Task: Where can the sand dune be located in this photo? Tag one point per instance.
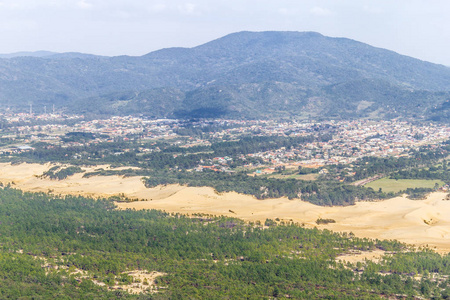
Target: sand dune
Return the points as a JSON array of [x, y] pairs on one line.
[[424, 222]]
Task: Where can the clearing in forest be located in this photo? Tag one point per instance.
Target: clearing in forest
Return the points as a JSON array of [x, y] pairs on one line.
[[397, 185]]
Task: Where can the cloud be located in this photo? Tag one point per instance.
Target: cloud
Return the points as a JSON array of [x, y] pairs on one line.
[[372, 9], [157, 8], [187, 8], [287, 12], [320, 12], [83, 4], [23, 4], [283, 11]]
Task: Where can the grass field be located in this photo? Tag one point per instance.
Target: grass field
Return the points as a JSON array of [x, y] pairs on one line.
[[392, 185]]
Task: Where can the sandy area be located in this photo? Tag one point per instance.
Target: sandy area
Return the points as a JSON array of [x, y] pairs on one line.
[[362, 256], [424, 222], [144, 281]]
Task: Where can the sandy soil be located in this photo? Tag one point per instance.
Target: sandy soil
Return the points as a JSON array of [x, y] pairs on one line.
[[424, 222], [362, 256], [145, 281]]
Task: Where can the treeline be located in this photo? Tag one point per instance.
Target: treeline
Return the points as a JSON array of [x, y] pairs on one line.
[[77, 155], [320, 193], [203, 257], [122, 172], [246, 145], [252, 144], [417, 193], [163, 155], [370, 165], [433, 172], [60, 173]]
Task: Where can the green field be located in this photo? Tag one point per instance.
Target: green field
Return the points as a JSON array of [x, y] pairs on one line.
[[392, 185]]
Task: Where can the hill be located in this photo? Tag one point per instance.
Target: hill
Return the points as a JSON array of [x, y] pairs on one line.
[[241, 75], [28, 53]]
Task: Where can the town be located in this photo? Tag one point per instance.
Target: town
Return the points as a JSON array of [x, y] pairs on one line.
[[347, 141]]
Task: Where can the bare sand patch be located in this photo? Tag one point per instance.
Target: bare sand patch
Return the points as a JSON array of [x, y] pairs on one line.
[[419, 222], [362, 256], [26, 177], [143, 281]]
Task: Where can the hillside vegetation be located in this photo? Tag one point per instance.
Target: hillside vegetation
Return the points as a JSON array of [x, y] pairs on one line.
[[242, 75]]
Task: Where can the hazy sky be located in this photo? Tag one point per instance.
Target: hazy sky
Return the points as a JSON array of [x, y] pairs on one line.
[[418, 28]]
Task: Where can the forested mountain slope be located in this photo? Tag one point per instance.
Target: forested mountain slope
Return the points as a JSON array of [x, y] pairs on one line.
[[240, 75]]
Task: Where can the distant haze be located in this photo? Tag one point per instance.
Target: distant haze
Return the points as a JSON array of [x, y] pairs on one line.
[[417, 28]]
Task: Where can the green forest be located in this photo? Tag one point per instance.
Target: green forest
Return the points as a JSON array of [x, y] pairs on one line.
[[320, 193], [45, 239]]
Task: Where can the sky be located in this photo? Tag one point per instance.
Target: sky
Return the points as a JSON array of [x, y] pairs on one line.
[[416, 28]]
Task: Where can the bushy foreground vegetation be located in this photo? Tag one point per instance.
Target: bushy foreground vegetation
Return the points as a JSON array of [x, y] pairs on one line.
[[203, 257]]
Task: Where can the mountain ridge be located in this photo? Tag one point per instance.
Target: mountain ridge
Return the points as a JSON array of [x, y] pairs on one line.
[[308, 70], [39, 53]]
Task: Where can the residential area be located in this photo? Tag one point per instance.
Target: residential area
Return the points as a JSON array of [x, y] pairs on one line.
[[344, 142]]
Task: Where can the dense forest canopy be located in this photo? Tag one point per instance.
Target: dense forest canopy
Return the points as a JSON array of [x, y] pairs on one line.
[[200, 256]]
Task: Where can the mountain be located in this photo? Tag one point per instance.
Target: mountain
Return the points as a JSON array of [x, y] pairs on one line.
[[32, 54], [241, 75]]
